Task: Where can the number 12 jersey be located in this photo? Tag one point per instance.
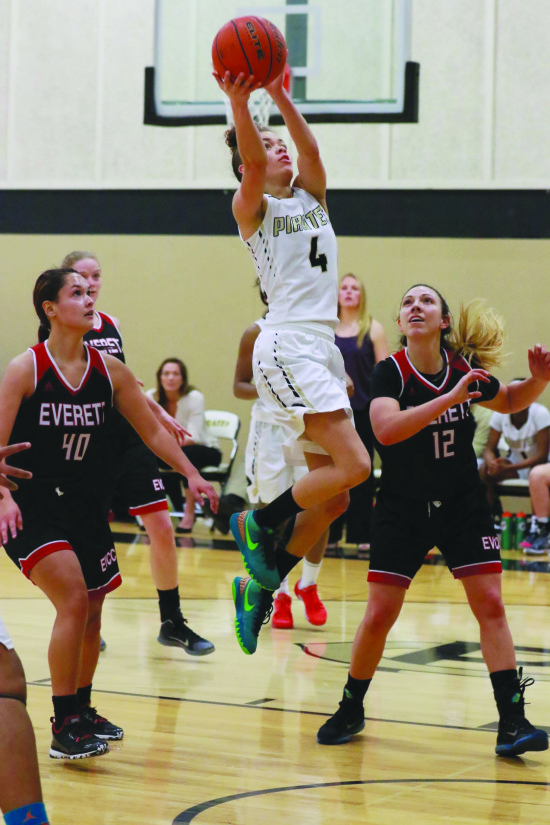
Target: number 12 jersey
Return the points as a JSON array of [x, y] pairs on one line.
[[438, 462]]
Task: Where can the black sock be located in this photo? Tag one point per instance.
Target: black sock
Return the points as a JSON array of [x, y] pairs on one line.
[[64, 706], [285, 561], [505, 687], [84, 696], [281, 509], [356, 688], [169, 604]]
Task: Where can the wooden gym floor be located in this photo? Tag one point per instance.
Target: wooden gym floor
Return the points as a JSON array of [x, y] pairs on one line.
[[231, 738]]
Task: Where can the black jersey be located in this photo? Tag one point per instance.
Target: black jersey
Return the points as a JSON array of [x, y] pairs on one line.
[[64, 424], [438, 462], [106, 337]]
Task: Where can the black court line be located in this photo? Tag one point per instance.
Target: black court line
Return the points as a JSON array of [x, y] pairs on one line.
[[254, 706], [190, 814]]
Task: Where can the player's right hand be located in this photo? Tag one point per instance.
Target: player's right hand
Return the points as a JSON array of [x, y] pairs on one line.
[[240, 88], [462, 392], [10, 519], [6, 470]]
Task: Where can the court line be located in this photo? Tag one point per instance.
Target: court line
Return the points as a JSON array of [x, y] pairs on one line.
[[190, 813], [250, 706]]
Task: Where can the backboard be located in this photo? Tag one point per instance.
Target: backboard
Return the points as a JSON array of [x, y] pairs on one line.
[[350, 60]]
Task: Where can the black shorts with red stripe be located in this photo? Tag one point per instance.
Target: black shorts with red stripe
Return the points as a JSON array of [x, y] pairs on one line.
[[65, 518], [132, 473], [404, 531]]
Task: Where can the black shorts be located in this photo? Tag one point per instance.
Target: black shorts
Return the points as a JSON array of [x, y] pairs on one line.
[[72, 518], [404, 531], [133, 474]]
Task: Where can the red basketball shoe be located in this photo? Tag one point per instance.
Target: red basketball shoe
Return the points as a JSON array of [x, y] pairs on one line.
[[282, 612], [316, 612]]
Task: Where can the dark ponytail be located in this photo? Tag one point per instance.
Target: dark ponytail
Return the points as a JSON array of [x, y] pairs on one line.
[[47, 287]]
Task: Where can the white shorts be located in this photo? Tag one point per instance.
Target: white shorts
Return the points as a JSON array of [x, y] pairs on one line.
[[299, 371], [268, 473], [4, 637]]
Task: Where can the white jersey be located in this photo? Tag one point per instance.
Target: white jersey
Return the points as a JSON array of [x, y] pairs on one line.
[[295, 255]]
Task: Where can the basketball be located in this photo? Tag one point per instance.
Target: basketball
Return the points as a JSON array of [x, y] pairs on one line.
[[252, 45]]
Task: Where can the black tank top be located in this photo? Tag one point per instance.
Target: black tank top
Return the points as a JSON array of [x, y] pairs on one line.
[[64, 424], [106, 338]]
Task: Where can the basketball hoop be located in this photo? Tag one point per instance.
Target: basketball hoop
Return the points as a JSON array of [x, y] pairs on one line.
[[260, 103]]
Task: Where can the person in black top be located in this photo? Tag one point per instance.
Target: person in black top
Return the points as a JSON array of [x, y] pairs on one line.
[[131, 470], [431, 494], [54, 526], [20, 790]]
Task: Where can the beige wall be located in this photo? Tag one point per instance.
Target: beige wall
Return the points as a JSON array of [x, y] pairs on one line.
[[192, 297]]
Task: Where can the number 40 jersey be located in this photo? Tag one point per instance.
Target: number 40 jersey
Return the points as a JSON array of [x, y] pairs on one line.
[[439, 461], [295, 254], [64, 424]]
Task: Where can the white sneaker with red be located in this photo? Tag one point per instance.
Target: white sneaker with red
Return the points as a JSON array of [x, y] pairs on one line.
[[316, 612], [282, 612]]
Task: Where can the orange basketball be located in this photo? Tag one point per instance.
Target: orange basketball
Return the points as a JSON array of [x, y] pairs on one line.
[[252, 45]]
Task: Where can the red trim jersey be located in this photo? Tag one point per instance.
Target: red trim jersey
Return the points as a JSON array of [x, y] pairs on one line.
[[438, 462], [106, 337], [64, 424]]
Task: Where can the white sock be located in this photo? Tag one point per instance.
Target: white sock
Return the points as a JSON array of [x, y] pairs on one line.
[[283, 588], [542, 520], [309, 574]]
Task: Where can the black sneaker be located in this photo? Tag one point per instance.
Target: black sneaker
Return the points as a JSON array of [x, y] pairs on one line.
[[515, 733], [102, 644], [74, 741], [100, 727], [180, 635], [348, 720]]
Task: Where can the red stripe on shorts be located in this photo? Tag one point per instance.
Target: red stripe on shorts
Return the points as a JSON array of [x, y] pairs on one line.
[[33, 558], [383, 577], [477, 569], [143, 509], [115, 582]]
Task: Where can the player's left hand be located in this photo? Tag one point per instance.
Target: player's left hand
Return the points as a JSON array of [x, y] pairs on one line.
[[173, 426], [539, 363], [6, 470], [276, 86], [200, 488]]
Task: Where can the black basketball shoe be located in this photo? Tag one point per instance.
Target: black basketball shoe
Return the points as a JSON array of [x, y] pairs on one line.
[[515, 733], [74, 741], [179, 634], [98, 725], [348, 720]]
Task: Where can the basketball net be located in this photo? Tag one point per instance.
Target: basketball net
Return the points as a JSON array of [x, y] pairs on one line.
[[260, 103]]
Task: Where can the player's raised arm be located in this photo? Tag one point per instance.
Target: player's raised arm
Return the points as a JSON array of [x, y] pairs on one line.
[[311, 172]]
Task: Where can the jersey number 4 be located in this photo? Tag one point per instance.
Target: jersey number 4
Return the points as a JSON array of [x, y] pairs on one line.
[[443, 443], [314, 258], [80, 446]]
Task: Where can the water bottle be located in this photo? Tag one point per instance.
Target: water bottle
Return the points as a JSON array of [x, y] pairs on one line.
[[521, 529], [507, 531]]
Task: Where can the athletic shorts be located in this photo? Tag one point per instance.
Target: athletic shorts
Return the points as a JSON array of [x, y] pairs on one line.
[[65, 518], [404, 531], [134, 474], [267, 472], [4, 636], [298, 371]]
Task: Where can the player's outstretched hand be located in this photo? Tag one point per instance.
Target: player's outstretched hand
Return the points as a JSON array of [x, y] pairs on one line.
[[6, 470], [539, 363], [173, 426], [462, 392], [240, 88], [200, 488]]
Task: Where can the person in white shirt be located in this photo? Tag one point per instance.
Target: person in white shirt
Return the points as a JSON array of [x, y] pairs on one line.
[[527, 435], [186, 404]]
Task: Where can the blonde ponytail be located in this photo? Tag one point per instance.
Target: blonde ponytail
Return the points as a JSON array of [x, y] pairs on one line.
[[478, 336]]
